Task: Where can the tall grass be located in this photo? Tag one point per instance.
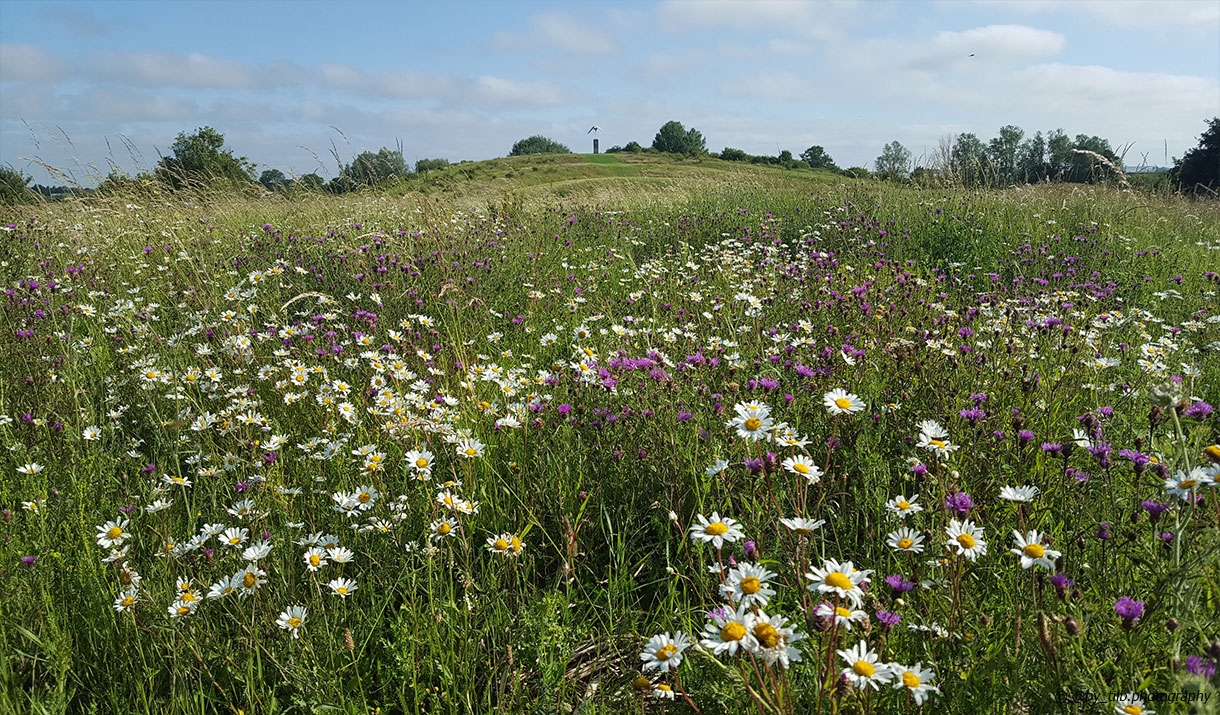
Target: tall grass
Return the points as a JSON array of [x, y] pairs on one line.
[[595, 345]]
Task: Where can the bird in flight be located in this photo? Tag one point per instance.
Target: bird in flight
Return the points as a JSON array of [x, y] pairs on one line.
[[593, 128]]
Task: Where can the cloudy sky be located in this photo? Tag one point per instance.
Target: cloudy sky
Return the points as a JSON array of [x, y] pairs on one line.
[[84, 85]]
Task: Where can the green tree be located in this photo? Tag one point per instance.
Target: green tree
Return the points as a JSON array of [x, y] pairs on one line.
[[14, 187], [731, 154], [673, 138], [1002, 151], [817, 158], [1031, 159], [200, 159], [1058, 154], [309, 182], [274, 180], [1092, 160], [1200, 167], [423, 165], [969, 164], [894, 164], [370, 169], [538, 144]]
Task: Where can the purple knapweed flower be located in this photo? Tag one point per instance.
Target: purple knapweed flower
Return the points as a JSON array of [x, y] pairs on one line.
[[29, 560], [900, 584], [1130, 610], [1103, 531], [888, 619], [1198, 665], [959, 502], [1198, 411]]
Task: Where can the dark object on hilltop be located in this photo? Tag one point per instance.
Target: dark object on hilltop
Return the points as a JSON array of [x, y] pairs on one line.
[[1199, 169]]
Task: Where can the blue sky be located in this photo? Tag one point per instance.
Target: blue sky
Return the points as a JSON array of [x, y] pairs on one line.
[[89, 85]]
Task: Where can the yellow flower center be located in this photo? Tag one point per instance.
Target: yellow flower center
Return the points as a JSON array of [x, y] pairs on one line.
[[365, 497], [838, 580], [294, 622], [249, 580], [470, 452], [315, 560], [183, 610], [766, 634], [842, 612], [641, 683], [444, 529], [188, 596], [750, 585], [1133, 710], [905, 543], [1188, 483], [501, 545], [801, 468], [732, 631], [753, 423], [936, 443], [966, 540], [234, 540], [1212, 452], [114, 533], [717, 528], [863, 667], [421, 463], [342, 590], [910, 680], [666, 652], [515, 545], [1034, 551], [903, 504], [128, 600], [843, 403]]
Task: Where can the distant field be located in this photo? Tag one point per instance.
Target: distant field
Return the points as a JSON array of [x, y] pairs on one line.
[[611, 433]]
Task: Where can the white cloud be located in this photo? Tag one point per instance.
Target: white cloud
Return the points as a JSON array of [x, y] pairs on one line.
[[785, 86], [21, 62], [558, 31], [491, 91], [171, 69]]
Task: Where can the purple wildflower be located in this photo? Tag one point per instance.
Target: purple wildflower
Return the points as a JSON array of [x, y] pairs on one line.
[[959, 502], [1130, 610], [889, 619], [899, 583], [1025, 437], [1199, 410], [1103, 531], [1154, 509], [1061, 583], [29, 560], [1052, 448], [1197, 665]]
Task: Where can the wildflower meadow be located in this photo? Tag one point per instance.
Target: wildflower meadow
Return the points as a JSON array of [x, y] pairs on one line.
[[785, 445]]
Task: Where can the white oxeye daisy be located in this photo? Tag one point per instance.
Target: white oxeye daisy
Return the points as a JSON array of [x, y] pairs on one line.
[[441, 528], [841, 579], [802, 465], [92, 433], [234, 536], [182, 608], [716, 530], [342, 587], [315, 558], [1022, 494], [112, 533], [916, 679], [30, 468], [935, 438], [728, 631], [1131, 704], [842, 616], [966, 538], [747, 585], [862, 669], [257, 552], [905, 539], [1032, 552], [505, 545], [840, 401], [1185, 485], [664, 653], [127, 599], [801, 525], [902, 507], [775, 638], [292, 619], [716, 468]]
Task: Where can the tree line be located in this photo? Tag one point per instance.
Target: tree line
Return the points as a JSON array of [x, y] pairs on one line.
[[201, 160]]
